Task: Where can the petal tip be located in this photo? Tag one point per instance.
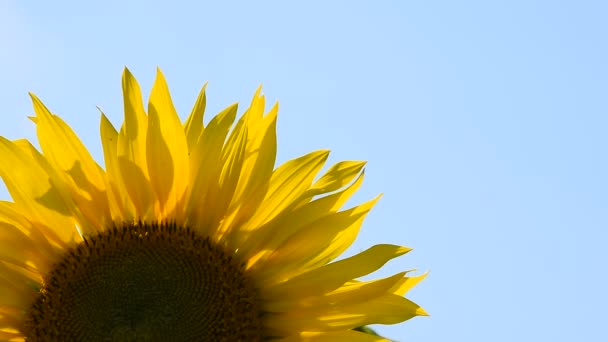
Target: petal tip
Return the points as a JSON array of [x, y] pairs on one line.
[[421, 312], [126, 71]]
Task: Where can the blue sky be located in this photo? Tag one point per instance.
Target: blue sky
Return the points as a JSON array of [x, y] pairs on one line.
[[484, 124]]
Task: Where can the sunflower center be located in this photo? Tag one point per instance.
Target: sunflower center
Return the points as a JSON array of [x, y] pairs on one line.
[[142, 282]]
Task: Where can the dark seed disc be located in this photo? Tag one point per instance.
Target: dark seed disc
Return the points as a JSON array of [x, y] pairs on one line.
[[146, 282]]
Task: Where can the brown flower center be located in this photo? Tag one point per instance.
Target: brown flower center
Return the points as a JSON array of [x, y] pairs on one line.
[[146, 282]]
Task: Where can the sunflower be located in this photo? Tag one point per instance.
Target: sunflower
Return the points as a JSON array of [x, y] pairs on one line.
[[189, 234]]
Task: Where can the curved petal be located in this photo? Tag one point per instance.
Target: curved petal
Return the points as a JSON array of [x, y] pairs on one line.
[[121, 207], [166, 148], [253, 181], [338, 176], [270, 236], [331, 276], [194, 124], [205, 167], [325, 239], [131, 149], [81, 174], [47, 243], [287, 184], [351, 293], [388, 309], [407, 283], [233, 157], [33, 190]]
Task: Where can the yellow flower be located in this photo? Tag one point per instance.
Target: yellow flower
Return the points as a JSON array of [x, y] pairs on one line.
[[189, 234]]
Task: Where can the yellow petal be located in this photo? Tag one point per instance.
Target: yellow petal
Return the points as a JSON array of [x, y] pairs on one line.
[[325, 239], [33, 192], [205, 168], [256, 171], [261, 154], [131, 149], [360, 291], [232, 158], [407, 284], [77, 204], [10, 317], [133, 132], [287, 184], [351, 293], [13, 297], [337, 176], [167, 149], [194, 125], [65, 151], [331, 276], [115, 193], [388, 309], [83, 176], [271, 235], [261, 151], [16, 247], [19, 277], [38, 248]]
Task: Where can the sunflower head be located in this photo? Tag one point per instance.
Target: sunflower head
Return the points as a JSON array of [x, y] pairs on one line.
[[189, 233]]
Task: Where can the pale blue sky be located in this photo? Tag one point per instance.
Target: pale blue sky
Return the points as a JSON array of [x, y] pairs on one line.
[[484, 124]]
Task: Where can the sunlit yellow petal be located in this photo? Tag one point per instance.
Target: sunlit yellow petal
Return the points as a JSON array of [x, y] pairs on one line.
[[287, 184], [337, 176], [350, 293], [388, 309], [325, 239], [194, 125], [407, 284], [271, 235], [205, 168], [167, 149], [83, 176], [15, 246], [120, 205], [43, 240], [32, 190], [64, 150], [331, 276], [131, 149], [80, 210], [256, 171], [229, 177]]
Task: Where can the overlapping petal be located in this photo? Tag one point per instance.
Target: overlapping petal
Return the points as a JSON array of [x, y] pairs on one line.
[[194, 125], [35, 191], [82, 176], [166, 149], [329, 277], [121, 207], [326, 238], [388, 309], [131, 149]]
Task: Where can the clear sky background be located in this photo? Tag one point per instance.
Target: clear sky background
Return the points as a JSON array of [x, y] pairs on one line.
[[484, 124]]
